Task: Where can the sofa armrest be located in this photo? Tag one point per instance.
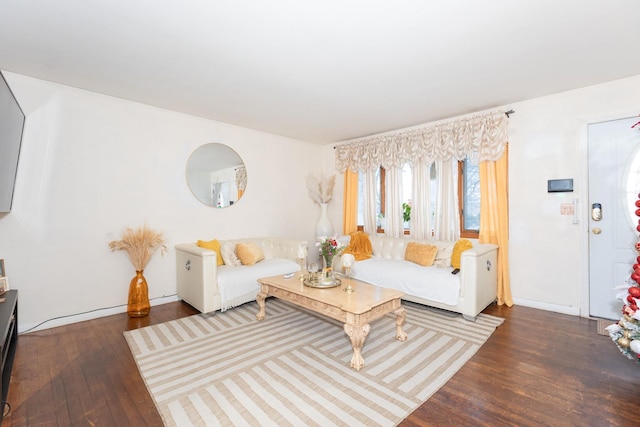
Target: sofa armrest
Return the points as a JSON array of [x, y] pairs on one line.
[[479, 277], [480, 249], [193, 249], [196, 275]]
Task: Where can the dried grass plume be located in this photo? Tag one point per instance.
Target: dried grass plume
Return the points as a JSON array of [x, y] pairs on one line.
[[140, 245], [321, 187]]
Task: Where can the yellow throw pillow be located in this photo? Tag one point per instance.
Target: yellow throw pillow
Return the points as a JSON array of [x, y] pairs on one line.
[[249, 253], [420, 253], [359, 246], [460, 246], [213, 245]]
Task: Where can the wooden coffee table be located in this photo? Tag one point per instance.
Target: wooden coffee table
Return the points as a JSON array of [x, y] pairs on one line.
[[354, 309]]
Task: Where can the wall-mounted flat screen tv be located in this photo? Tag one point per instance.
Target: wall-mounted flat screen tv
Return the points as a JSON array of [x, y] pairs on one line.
[[11, 128]]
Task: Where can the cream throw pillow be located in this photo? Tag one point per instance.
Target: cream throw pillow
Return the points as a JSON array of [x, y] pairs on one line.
[[213, 245], [229, 256], [421, 254], [249, 253], [443, 257]]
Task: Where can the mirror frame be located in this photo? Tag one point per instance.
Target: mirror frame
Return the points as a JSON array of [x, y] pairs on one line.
[[216, 175]]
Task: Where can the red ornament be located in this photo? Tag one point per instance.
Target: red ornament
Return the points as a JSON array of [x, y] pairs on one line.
[[630, 299], [634, 291], [635, 276], [638, 203]]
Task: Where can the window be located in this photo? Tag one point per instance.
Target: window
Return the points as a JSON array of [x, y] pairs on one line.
[[468, 196], [380, 200]]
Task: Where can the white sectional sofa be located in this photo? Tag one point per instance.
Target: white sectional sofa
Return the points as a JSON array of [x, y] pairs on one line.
[[209, 287], [468, 292]]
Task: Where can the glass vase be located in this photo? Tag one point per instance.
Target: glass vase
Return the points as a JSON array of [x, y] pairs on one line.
[[138, 304], [327, 269]]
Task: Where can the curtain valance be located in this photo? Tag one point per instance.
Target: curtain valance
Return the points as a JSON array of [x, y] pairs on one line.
[[484, 135]]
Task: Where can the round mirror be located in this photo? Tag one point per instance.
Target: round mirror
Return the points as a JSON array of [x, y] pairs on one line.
[[216, 175]]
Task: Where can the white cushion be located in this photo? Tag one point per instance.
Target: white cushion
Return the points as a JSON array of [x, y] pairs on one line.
[[434, 284], [228, 252], [235, 283]]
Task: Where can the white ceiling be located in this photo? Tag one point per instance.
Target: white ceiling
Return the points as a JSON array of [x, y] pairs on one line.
[[322, 71]]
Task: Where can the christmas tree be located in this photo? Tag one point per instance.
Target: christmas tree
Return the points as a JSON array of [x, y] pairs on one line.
[[626, 332]]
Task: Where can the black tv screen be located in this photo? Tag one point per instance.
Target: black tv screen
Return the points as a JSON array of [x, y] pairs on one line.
[[11, 127]]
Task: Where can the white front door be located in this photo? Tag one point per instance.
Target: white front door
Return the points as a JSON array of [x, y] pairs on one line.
[[613, 146]]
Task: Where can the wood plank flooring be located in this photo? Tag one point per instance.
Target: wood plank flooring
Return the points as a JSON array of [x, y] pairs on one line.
[[538, 368]]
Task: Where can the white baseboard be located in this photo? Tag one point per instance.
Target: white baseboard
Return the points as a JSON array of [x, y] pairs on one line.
[[93, 314], [564, 309]]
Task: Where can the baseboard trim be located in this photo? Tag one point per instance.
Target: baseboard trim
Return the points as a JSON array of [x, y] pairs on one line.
[[93, 314], [563, 309]]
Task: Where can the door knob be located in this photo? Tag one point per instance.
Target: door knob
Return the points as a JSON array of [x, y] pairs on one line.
[[596, 230]]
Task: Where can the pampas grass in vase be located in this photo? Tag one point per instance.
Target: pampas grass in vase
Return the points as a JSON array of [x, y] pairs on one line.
[[321, 192], [139, 244]]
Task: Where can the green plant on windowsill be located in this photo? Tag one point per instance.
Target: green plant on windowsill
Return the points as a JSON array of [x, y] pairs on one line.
[[406, 212]]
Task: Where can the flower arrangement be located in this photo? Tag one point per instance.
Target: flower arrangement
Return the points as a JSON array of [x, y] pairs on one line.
[[321, 187], [329, 247], [140, 245]]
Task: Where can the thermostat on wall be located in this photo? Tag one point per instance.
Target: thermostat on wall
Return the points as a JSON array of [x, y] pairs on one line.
[[560, 185]]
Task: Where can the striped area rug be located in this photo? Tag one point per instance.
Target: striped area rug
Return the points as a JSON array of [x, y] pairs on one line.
[[292, 368]]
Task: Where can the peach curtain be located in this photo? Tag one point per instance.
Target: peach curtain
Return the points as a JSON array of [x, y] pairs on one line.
[[350, 216], [494, 217]]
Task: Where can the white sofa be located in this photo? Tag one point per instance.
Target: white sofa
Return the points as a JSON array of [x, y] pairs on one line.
[[209, 287], [468, 292]]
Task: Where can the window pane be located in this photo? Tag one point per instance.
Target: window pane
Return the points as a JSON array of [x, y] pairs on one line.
[[633, 183], [471, 208], [360, 193], [379, 214], [379, 209], [433, 195], [407, 184]]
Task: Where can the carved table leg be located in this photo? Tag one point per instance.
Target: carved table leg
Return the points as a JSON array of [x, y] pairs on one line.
[[400, 318], [357, 335], [260, 300]]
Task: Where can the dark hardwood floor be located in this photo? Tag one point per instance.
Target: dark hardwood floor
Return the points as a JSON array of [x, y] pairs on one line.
[[538, 368]]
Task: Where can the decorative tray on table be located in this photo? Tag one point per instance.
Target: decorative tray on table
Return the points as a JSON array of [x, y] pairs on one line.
[[318, 284]]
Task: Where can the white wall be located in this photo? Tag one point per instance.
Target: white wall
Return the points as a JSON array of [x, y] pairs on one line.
[[92, 165], [548, 140]]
